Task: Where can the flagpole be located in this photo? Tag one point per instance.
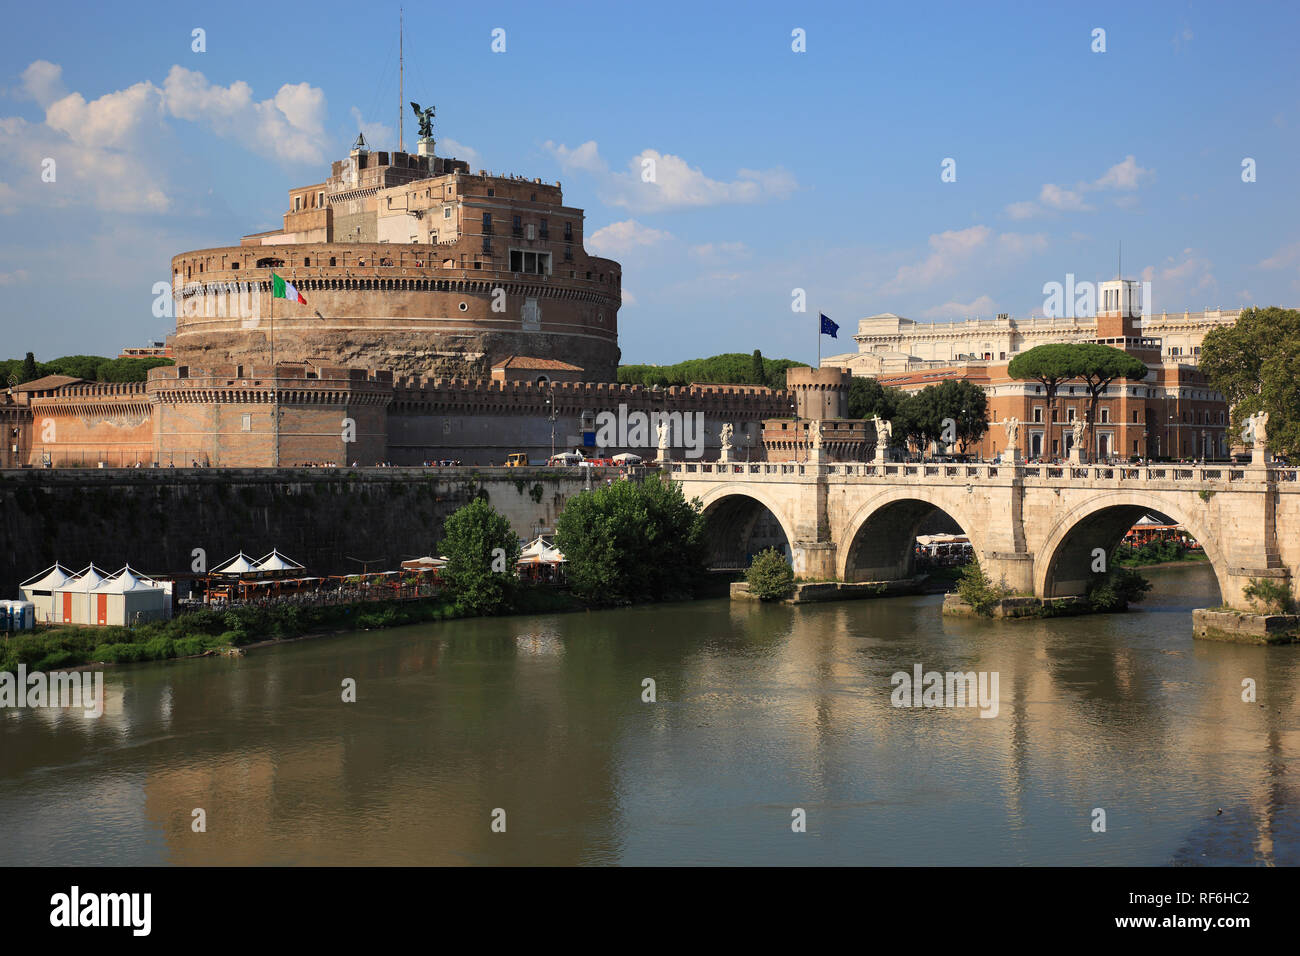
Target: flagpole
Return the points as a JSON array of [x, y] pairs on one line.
[[275, 398]]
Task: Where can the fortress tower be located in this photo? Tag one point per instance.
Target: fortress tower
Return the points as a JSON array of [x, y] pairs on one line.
[[408, 263]]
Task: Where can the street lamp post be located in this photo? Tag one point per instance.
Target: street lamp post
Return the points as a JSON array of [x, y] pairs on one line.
[[550, 404]]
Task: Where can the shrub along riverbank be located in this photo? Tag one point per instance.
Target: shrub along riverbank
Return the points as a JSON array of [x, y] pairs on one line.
[[205, 631]]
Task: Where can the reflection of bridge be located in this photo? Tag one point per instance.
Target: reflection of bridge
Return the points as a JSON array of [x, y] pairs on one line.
[[1036, 526]]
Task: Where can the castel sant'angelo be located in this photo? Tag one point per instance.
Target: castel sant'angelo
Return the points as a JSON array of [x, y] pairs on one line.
[[446, 314]]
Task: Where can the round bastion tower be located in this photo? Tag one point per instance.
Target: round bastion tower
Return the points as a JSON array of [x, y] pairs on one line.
[[409, 263], [819, 393]]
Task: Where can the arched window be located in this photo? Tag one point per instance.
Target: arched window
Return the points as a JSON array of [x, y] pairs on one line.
[[270, 263]]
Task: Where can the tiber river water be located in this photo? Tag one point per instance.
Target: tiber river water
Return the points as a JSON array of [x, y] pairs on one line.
[[760, 710]]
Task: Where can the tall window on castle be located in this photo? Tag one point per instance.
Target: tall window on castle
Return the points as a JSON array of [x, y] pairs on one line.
[[247, 423], [487, 223], [568, 232], [516, 226], [542, 231], [487, 247]]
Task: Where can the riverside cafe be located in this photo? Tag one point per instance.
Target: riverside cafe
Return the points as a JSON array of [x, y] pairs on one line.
[[242, 578]]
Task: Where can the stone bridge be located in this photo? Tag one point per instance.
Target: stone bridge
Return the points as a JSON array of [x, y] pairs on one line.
[[1034, 526]]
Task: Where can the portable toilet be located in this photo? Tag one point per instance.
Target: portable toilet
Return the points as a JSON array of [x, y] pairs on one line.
[[24, 613]]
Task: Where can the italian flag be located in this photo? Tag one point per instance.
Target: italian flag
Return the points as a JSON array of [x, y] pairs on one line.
[[285, 290]]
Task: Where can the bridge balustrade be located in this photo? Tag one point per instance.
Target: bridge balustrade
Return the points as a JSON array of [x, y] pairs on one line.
[[903, 471]]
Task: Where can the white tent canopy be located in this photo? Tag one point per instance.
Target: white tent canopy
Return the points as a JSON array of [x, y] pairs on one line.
[[627, 458], [275, 561], [50, 578], [127, 580], [87, 579], [239, 564], [540, 551]]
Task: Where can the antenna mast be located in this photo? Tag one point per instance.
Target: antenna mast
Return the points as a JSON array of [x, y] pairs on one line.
[[401, 63]]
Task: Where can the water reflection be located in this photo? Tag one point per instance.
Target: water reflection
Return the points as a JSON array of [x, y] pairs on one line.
[[759, 710]]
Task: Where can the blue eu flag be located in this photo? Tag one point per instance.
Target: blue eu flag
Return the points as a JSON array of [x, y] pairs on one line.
[[828, 327]]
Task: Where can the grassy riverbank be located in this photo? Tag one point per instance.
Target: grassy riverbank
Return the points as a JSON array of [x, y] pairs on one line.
[[207, 631]]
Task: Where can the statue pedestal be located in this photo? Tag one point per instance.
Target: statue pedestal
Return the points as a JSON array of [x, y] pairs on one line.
[[1010, 456], [724, 455], [882, 454], [664, 456], [1076, 455], [425, 147]]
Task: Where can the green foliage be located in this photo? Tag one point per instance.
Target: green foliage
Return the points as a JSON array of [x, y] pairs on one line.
[[1269, 596], [632, 541], [923, 417], [1117, 589], [770, 576], [868, 398], [474, 537], [1153, 552], [734, 368], [93, 368], [975, 589], [1253, 364], [757, 373]]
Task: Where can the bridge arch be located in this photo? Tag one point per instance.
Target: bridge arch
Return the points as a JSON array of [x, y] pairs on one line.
[[877, 542], [1063, 560], [733, 514]]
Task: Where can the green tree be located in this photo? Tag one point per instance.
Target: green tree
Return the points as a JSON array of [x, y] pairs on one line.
[[975, 589], [1050, 366], [130, 369], [770, 576], [730, 368], [1099, 365], [964, 404], [632, 541], [1253, 363], [29, 371], [868, 398], [482, 550], [78, 366]]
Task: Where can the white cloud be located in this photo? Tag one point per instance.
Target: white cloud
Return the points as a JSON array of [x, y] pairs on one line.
[[628, 297], [1125, 176], [657, 181], [43, 82], [982, 306], [619, 238], [959, 250], [290, 127], [1183, 279], [450, 147], [375, 133], [1285, 258], [113, 120], [13, 278], [1057, 197]]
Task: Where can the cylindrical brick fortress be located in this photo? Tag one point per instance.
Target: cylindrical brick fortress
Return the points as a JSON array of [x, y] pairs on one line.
[[400, 307], [820, 393]]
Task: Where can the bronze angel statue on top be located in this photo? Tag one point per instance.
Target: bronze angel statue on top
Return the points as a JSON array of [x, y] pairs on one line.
[[426, 120]]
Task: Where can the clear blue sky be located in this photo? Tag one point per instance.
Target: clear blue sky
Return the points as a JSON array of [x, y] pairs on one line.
[[775, 170]]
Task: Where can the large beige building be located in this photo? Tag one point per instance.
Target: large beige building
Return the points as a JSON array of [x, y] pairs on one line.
[[889, 343], [1172, 413]]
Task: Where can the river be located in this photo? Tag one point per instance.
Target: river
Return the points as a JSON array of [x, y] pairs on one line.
[[759, 710]]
